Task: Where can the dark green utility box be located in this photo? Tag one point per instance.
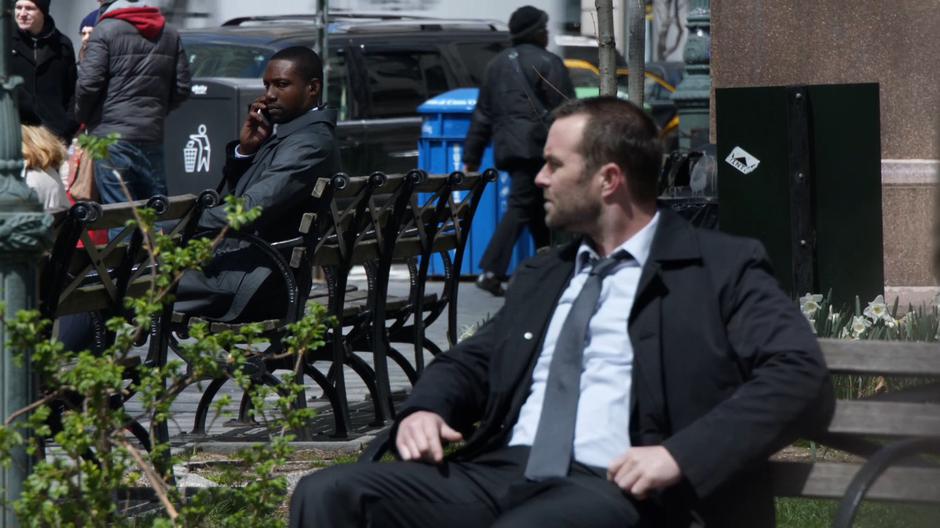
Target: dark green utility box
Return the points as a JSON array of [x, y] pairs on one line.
[[800, 170]]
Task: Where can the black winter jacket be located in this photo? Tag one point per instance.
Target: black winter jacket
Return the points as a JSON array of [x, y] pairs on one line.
[[504, 113], [47, 65], [128, 84]]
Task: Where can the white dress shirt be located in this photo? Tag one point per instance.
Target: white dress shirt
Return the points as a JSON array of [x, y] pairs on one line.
[[602, 430]]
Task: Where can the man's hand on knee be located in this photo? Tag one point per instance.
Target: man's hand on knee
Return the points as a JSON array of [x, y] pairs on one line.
[[420, 434], [644, 469]]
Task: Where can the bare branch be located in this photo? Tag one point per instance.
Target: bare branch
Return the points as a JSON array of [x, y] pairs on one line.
[[31, 407], [156, 481]]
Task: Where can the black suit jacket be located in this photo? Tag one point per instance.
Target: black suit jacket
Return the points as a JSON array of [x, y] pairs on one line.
[[726, 369], [239, 282]]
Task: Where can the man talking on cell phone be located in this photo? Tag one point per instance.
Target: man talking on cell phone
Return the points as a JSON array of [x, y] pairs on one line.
[[286, 143]]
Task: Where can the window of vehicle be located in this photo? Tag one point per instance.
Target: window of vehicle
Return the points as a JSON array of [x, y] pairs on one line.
[[476, 56], [399, 81], [226, 60], [337, 93]]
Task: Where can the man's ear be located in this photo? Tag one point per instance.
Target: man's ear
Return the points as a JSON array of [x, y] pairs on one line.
[[314, 89], [612, 178]]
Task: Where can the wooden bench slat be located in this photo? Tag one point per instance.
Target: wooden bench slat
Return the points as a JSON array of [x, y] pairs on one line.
[[886, 418], [117, 214], [829, 480], [96, 297], [881, 357]]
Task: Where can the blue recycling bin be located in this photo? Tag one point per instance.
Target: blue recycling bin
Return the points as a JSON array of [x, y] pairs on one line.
[[446, 121]]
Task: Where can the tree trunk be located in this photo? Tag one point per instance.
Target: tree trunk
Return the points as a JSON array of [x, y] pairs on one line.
[[606, 46], [636, 52]]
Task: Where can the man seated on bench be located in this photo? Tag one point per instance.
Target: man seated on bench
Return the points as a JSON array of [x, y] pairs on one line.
[[641, 376], [286, 143]]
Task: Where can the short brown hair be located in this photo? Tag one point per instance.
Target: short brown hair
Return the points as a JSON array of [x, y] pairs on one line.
[[42, 149], [618, 131]]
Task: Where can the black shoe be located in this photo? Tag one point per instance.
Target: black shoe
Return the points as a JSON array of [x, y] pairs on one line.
[[491, 283]]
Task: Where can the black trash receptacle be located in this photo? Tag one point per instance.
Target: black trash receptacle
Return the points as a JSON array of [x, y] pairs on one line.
[[196, 133]]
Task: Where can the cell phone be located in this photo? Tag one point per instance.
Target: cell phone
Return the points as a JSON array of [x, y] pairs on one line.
[[265, 115]]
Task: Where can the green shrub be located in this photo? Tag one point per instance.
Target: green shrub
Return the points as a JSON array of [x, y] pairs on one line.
[[94, 459]]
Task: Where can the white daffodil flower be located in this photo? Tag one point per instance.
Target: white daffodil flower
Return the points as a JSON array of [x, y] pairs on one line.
[[809, 304], [876, 309], [859, 325]]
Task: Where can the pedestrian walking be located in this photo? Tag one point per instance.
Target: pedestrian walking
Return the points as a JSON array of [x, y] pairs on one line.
[[523, 84], [133, 74], [85, 29], [44, 58]]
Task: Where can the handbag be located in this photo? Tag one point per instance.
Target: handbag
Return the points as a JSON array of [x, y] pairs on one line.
[[82, 178]]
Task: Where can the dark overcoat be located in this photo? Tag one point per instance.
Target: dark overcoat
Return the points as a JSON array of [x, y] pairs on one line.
[[46, 62], [279, 179], [726, 369], [504, 114]]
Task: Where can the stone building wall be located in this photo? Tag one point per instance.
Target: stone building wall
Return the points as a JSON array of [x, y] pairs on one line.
[[774, 42]]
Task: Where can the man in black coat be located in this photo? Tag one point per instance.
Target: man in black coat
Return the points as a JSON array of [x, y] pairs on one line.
[[522, 85], [682, 363], [286, 144], [44, 58]]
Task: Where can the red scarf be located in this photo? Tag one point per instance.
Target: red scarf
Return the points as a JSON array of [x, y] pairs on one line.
[[148, 20]]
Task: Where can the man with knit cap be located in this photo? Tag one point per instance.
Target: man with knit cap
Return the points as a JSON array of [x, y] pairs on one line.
[[523, 84], [133, 74], [45, 59]]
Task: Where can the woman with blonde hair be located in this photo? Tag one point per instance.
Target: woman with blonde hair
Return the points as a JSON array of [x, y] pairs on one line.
[[43, 155]]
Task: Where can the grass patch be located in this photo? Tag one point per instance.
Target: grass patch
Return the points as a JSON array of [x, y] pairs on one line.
[[819, 513]]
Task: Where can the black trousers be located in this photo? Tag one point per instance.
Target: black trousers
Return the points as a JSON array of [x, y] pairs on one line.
[[489, 491], [525, 207]]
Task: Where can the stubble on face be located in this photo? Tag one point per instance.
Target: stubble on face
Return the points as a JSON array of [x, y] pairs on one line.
[[570, 201]]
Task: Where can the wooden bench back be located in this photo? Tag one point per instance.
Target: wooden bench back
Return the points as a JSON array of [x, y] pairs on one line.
[[863, 427], [88, 277]]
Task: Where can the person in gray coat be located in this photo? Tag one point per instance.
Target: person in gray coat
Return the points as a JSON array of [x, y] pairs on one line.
[[286, 143], [133, 74]]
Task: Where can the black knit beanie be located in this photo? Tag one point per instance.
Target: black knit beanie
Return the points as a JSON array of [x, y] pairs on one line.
[[525, 21], [43, 6]]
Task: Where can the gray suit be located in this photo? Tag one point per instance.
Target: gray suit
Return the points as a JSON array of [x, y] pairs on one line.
[[279, 178]]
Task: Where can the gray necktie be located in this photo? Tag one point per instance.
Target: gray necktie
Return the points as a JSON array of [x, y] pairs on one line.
[[551, 451]]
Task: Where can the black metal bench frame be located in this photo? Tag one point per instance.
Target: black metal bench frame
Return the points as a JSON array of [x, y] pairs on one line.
[[97, 279]]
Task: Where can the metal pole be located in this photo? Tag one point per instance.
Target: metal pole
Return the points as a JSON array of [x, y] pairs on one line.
[[693, 94], [24, 234]]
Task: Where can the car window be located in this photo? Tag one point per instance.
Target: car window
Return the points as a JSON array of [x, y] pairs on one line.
[[337, 93], [399, 81], [476, 56], [226, 60], [584, 78], [652, 90]]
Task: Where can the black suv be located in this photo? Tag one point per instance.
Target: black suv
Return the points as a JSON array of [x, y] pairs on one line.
[[379, 68]]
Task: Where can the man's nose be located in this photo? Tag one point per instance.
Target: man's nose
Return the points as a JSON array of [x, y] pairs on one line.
[[541, 179]]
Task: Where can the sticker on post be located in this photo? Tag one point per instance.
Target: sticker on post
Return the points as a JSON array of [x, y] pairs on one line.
[[742, 160]]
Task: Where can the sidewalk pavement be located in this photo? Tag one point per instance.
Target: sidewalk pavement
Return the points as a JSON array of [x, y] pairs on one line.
[[474, 305]]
